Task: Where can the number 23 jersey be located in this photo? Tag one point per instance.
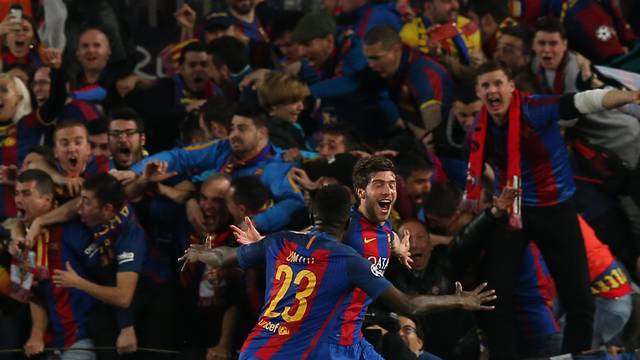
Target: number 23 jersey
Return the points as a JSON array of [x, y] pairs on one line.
[[308, 276]]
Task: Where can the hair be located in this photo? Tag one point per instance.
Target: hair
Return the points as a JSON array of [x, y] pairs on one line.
[[195, 46], [465, 92], [23, 108], [366, 167], [190, 128], [44, 151], [284, 23], [251, 192], [408, 164], [442, 200], [69, 123], [281, 88], [107, 189], [331, 205], [44, 182], [491, 66], [100, 29], [521, 32], [498, 9], [252, 111], [551, 25], [126, 113], [341, 130], [219, 110], [384, 35], [98, 126], [215, 177], [28, 70], [229, 51]]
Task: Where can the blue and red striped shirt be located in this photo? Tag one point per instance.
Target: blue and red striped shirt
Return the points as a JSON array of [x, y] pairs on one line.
[[309, 275]]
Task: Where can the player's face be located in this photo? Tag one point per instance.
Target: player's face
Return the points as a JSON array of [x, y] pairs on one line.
[[90, 211], [93, 51], [417, 185], [317, 50], [212, 203], [100, 144], [550, 49], [383, 61], [244, 136], [442, 11], [72, 149], [495, 89], [9, 99], [420, 244], [466, 113], [125, 142], [377, 199], [30, 202], [509, 50]]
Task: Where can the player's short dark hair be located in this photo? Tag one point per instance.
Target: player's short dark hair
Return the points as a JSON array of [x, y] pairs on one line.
[[442, 200], [521, 32], [107, 190], [69, 123], [408, 164], [491, 66], [126, 113], [465, 92], [44, 183], [229, 51], [98, 126], [44, 151], [337, 129], [382, 34], [366, 167], [195, 46], [251, 192], [331, 205], [551, 25], [253, 112]]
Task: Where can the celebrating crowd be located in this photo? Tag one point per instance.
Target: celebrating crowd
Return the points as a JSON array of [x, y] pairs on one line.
[[321, 179]]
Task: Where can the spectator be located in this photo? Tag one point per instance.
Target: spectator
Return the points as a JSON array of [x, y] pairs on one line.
[[99, 137], [230, 63], [21, 44], [215, 117], [126, 137], [41, 85], [491, 17], [288, 52], [514, 50], [416, 173], [364, 15], [247, 196], [64, 243], [411, 334]]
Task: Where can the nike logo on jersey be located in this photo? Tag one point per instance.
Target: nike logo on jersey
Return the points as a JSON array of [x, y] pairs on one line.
[[366, 241]]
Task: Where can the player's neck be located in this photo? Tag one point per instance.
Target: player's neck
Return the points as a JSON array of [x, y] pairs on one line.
[[334, 231]]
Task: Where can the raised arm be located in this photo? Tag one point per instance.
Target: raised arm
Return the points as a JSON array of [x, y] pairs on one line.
[[222, 256]]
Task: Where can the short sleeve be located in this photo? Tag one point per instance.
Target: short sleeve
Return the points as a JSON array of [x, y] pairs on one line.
[[426, 84], [366, 276], [131, 249]]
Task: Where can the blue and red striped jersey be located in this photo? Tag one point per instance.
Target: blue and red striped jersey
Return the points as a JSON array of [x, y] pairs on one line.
[[309, 275], [420, 82], [547, 178], [253, 30], [371, 15], [67, 308], [15, 142], [373, 242]]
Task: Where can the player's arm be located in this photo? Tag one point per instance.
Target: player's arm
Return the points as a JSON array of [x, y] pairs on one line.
[[181, 160], [222, 256], [120, 295], [66, 212], [466, 300], [431, 115], [39, 320]]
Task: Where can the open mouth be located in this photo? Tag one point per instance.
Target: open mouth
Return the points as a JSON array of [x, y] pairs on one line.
[[494, 101], [124, 151], [385, 205], [73, 161], [21, 213]]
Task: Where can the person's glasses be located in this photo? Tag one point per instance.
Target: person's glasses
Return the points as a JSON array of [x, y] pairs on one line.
[[408, 330], [127, 133]]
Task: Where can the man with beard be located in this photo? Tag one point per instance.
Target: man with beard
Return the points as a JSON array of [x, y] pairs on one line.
[[247, 151], [247, 20], [164, 103], [212, 296], [126, 138], [61, 243], [526, 150], [415, 173]]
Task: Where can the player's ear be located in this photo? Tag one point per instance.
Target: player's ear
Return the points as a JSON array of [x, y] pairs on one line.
[[360, 193]]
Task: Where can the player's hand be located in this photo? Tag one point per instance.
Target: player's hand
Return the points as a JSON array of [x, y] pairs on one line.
[[300, 177], [127, 341], [53, 57], [33, 233], [124, 176], [219, 352], [185, 16], [192, 254], [474, 300], [247, 236], [127, 84], [34, 346], [68, 278], [253, 79], [505, 200], [73, 185], [400, 248]]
